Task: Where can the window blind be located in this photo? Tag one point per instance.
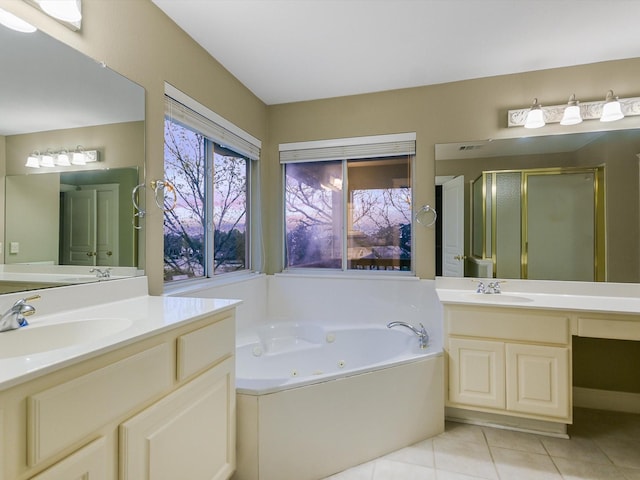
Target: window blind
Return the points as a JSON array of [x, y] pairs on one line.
[[349, 148], [237, 141]]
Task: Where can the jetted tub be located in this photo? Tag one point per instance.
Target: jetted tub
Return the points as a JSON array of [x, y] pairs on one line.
[[314, 400]]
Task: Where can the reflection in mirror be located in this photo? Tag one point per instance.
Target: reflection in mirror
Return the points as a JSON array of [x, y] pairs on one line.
[[562, 207], [60, 222]]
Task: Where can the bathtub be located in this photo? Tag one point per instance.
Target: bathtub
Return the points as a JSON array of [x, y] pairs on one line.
[[314, 399]]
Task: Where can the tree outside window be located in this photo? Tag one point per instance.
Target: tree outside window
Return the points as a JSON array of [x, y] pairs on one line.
[[366, 227], [205, 234]]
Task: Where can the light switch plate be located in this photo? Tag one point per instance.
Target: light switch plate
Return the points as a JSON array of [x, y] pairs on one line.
[[15, 247]]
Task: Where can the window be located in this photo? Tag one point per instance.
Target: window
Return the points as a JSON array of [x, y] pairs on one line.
[[207, 232], [350, 213]]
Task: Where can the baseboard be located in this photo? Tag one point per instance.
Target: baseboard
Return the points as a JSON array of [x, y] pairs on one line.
[[507, 422], [606, 400]]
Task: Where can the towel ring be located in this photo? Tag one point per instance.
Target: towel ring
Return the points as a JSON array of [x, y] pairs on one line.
[[422, 216], [140, 212], [161, 186]]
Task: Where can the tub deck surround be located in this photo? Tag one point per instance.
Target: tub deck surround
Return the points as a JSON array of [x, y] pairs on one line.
[[126, 302], [290, 355], [314, 399]]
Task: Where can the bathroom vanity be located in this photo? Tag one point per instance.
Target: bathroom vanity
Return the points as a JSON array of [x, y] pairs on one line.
[[509, 354], [133, 388]]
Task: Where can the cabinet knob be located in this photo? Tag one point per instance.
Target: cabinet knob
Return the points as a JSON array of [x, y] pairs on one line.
[[460, 257]]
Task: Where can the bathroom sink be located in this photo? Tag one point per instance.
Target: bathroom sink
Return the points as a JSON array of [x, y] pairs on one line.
[[498, 298], [34, 339]]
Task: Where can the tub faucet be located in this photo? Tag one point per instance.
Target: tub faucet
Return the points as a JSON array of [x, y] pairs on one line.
[[422, 333], [14, 317]]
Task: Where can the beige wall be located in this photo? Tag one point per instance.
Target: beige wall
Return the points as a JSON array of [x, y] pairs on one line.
[[454, 112], [32, 218]]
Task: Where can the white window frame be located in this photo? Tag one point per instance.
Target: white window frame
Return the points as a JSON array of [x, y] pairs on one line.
[[223, 132], [344, 149]]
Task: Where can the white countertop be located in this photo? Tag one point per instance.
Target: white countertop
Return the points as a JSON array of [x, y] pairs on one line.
[[146, 315], [532, 294]]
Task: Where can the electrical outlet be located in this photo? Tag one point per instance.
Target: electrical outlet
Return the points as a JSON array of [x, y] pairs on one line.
[[14, 247]]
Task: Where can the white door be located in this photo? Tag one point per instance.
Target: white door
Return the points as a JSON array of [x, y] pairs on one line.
[[107, 225], [79, 231], [90, 226], [453, 227]]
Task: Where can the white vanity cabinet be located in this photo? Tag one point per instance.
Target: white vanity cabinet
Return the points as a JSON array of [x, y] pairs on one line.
[[159, 408], [509, 361]]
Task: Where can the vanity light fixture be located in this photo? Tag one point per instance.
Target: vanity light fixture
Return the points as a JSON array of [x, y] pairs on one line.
[[47, 160], [33, 160], [79, 157], [571, 115], [611, 110], [62, 160], [14, 22], [65, 10], [535, 117]]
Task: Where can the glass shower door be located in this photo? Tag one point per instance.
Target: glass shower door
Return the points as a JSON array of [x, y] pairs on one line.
[[560, 226]]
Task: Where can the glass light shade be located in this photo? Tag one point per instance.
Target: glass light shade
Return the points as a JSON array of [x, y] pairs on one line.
[[47, 160], [78, 158], [611, 111], [571, 115], [13, 22], [65, 10], [535, 118], [32, 162], [63, 159]]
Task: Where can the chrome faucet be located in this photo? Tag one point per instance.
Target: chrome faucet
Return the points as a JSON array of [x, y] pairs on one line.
[[14, 317], [106, 273], [490, 288], [422, 333]]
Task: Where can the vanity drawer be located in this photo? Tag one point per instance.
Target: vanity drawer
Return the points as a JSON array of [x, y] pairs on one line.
[[65, 414], [508, 324], [205, 347], [614, 328]]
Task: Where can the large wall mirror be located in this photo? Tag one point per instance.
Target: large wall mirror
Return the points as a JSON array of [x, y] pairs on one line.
[[60, 222], [560, 207]]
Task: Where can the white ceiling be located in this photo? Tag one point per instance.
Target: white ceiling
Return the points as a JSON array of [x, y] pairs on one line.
[[294, 50]]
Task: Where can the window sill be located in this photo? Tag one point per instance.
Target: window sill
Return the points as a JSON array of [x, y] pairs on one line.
[[199, 284], [351, 275]]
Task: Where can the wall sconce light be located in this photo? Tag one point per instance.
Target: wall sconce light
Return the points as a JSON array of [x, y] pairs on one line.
[[33, 160], [14, 22], [535, 116], [571, 115], [62, 160], [67, 12], [46, 160], [79, 157], [612, 108]]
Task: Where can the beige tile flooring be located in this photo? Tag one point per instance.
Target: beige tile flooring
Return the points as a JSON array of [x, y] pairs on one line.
[[603, 446]]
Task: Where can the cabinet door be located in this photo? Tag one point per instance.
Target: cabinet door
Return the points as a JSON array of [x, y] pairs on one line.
[[538, 380], [476, 373], [189, 434], [88, 463]]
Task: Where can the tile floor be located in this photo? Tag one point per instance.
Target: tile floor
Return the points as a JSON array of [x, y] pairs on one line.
[[603, 446]]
